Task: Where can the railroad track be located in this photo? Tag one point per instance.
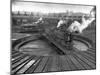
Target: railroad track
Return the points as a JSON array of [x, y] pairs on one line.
[[73, 60]]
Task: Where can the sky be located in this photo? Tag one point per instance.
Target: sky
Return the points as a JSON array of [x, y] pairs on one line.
[[48, 8]]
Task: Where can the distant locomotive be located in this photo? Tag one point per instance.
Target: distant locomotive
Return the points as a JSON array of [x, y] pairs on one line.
[[26, 24]]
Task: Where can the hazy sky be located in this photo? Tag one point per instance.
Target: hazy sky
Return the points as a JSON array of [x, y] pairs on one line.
[[48, 8]]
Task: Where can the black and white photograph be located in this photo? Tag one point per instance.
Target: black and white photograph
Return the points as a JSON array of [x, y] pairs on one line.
[[52, 37]]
